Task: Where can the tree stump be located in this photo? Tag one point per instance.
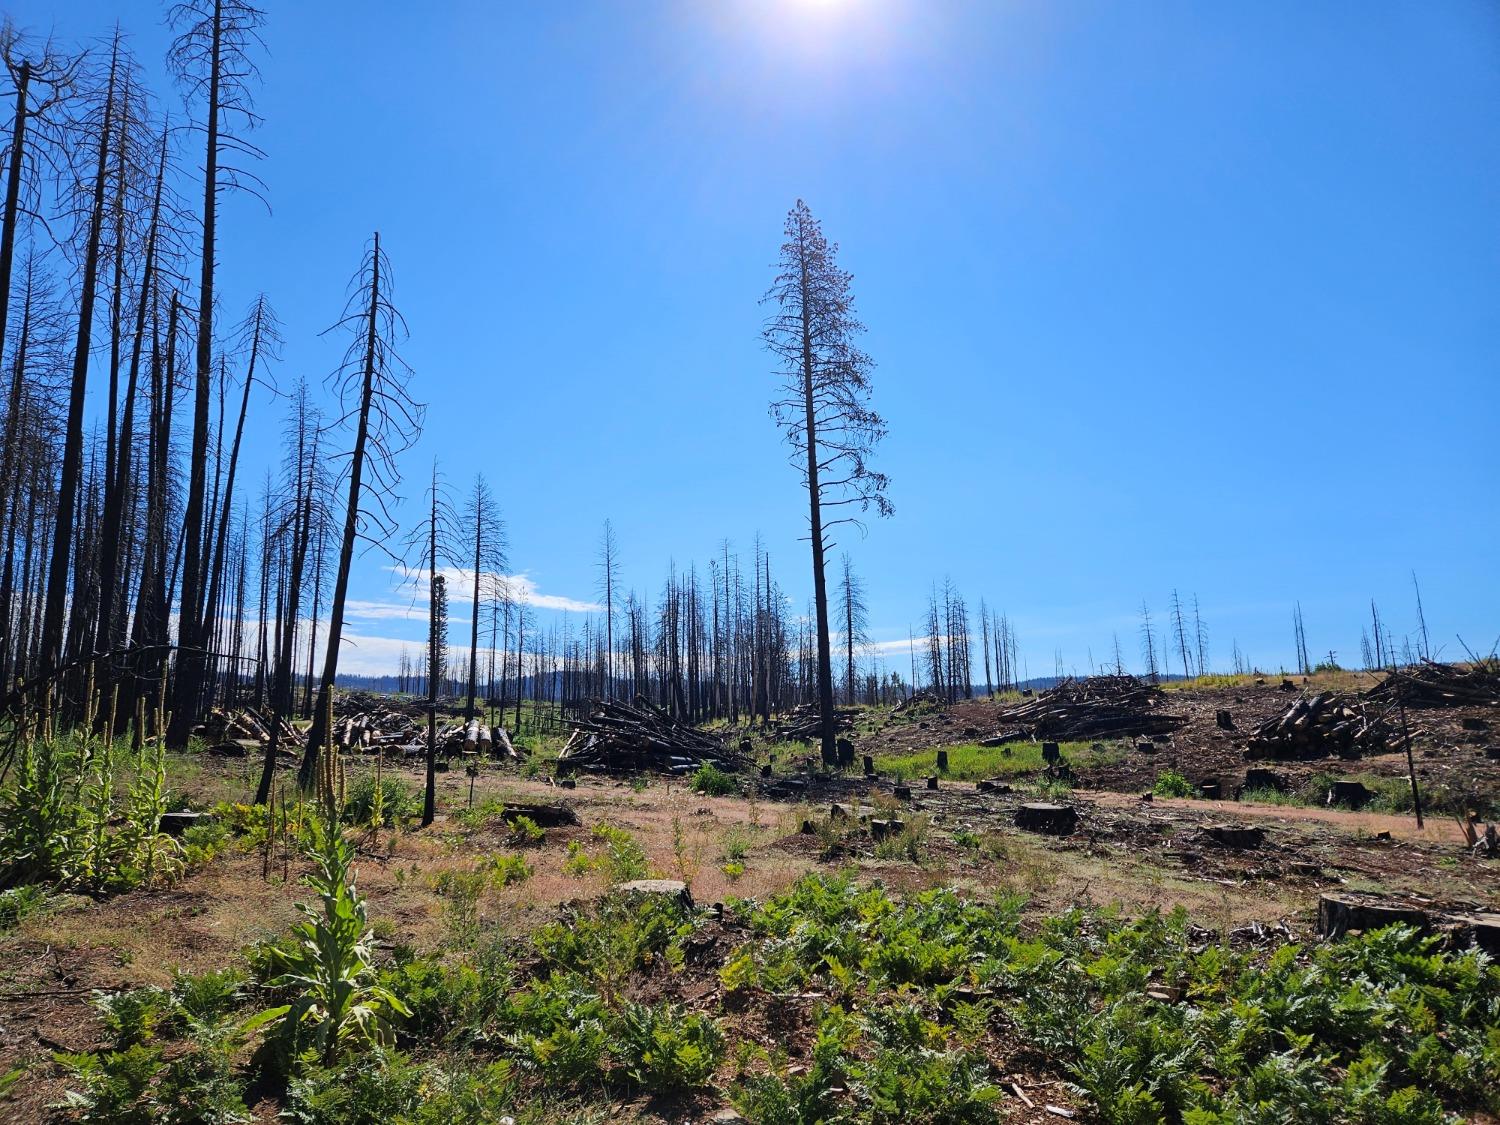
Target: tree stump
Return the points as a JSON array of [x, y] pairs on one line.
[[903, 792], [1145, 748], [1050, 819], [1492, 753], [1051, 752], [880, 829], [1265, 779], [1471, 723], [942, 761], [176, 823], [1223, 720], [992, 785], [1211, 790], [543, 816], [1338, 914], [1350, 794], [657, 888], [846, 752], [765, 770], [869, 766], [566, 783], [1240, 836], [932, 782]]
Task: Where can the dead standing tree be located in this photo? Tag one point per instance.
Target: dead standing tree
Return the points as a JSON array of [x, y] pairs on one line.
[[211, 56], [823, 409], [482, 521], [371, 385]]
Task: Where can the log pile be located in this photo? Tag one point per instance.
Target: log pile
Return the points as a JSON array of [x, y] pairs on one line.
[[1316, 726], [803, 724], [613, 736], [246, 724], [1431, 684], [1095, 707]]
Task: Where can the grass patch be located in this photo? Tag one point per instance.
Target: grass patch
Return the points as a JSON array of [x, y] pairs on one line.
[[972, 762]]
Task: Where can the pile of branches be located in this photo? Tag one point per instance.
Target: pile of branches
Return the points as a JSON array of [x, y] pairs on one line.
[[1330, 722], [1097, 707], [804, 724], [925, 698], [613, 736], [1431, 684]]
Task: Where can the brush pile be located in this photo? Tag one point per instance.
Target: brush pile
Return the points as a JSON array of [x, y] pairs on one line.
[[1096, 707], [803, 724], [1430, 684], [926, 699], [613, 736], [1316, 726]]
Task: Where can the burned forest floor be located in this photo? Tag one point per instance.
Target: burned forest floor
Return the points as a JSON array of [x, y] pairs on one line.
[[818, 944]]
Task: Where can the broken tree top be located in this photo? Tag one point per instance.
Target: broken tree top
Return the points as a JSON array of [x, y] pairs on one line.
[[1096, 707], [620, 736]]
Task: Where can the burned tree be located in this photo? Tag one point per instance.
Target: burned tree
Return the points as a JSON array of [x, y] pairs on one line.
[[371, 385], [212, 58], [482, 521], [854, 617], [823, 409]]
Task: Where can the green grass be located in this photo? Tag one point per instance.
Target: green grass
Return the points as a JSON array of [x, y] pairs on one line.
[[972, 762]]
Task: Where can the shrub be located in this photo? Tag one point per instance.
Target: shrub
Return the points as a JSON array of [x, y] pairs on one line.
[[396, 801], [1170, 783], [713, 782], [524, 832]]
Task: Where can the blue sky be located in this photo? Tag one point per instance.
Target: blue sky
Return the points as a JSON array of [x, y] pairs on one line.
[[1202, 296]]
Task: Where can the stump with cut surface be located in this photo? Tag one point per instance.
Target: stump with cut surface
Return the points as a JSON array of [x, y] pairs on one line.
[[1050, 819], [1350, 794], [992, 785], [1470, 723], [176, 823], [657, 888], [543, 816], [1210, 790], [902, 792], [1223, 720], [1145, 748], [869, 766], [942, 761], [1337, 914], [932, 782], [1051, 752], [1265, 779], [880, 829], [1242, 836]]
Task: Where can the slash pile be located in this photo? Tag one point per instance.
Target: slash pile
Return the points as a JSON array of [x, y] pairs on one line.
[[616, 736], [802, 724], [1318, 725], [1430, 684], [1096, 707]]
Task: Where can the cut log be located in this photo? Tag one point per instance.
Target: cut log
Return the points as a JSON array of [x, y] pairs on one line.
[[1053, 820]]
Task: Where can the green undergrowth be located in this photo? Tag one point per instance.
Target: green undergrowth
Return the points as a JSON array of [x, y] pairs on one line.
[[972, 762], [1387, 795], [831, 1002]]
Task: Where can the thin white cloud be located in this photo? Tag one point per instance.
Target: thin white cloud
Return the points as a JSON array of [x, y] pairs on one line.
[[522, 589]]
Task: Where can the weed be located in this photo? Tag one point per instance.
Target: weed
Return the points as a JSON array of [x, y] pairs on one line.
[[713, 782], [663, 1048], [1170, 783]]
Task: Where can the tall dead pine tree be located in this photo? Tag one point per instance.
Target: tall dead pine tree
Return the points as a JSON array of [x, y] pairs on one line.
[[823, 409], [371, 388]]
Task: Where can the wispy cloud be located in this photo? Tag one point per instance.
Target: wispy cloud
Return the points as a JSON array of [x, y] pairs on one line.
[[460, 581]]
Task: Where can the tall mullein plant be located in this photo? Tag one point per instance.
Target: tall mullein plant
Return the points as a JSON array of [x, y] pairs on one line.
[[338, 1003]]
